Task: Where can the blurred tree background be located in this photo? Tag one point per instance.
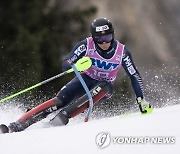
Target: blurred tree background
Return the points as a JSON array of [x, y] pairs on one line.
[[34, 38]]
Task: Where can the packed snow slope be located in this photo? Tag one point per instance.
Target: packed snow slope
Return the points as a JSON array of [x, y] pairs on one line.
[[81, 138]]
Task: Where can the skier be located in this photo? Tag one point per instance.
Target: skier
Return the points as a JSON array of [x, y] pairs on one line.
[[107, 55]]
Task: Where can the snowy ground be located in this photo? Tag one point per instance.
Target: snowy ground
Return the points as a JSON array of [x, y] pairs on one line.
[[151, 131]]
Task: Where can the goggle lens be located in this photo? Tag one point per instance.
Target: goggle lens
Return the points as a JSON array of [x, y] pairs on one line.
[[106, 38]]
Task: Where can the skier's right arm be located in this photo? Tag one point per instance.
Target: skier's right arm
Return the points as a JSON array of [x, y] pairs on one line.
[[77, 53]]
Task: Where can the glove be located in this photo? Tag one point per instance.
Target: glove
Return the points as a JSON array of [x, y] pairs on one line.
[[144, 106]]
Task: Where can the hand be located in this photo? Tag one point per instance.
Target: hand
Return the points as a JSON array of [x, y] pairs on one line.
[[144, 106]]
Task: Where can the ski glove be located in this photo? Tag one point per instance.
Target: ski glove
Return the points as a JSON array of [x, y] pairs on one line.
[[144, 106]]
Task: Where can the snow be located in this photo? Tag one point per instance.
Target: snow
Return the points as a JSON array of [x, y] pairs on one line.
[[81, 137]]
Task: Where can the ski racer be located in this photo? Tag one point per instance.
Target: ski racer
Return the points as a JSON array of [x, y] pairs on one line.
[[108, 55]]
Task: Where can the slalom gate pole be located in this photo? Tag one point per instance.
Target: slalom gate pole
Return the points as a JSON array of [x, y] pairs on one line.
[[87, 91]]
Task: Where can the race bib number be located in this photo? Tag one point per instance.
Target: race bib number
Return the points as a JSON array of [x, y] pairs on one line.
[[103, 75]]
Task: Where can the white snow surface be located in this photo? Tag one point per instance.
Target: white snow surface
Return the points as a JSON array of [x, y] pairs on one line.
[[80, 137]]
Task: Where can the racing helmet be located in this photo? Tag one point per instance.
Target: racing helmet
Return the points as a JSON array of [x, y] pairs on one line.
[[102, 30]]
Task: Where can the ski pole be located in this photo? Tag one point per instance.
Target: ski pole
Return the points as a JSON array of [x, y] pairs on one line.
[[81, 65]]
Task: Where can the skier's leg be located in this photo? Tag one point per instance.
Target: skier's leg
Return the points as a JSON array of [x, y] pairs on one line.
[[36, 114], [69, 93], [100, 91]]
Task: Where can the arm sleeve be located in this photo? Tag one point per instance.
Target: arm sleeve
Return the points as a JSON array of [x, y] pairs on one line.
[[129, 67], [77, 53]]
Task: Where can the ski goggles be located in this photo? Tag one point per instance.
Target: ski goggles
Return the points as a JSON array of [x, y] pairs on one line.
[[105, 38]]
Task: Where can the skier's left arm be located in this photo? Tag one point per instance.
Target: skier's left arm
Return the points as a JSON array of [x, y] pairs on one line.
[[136, 81], [77, 53]]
